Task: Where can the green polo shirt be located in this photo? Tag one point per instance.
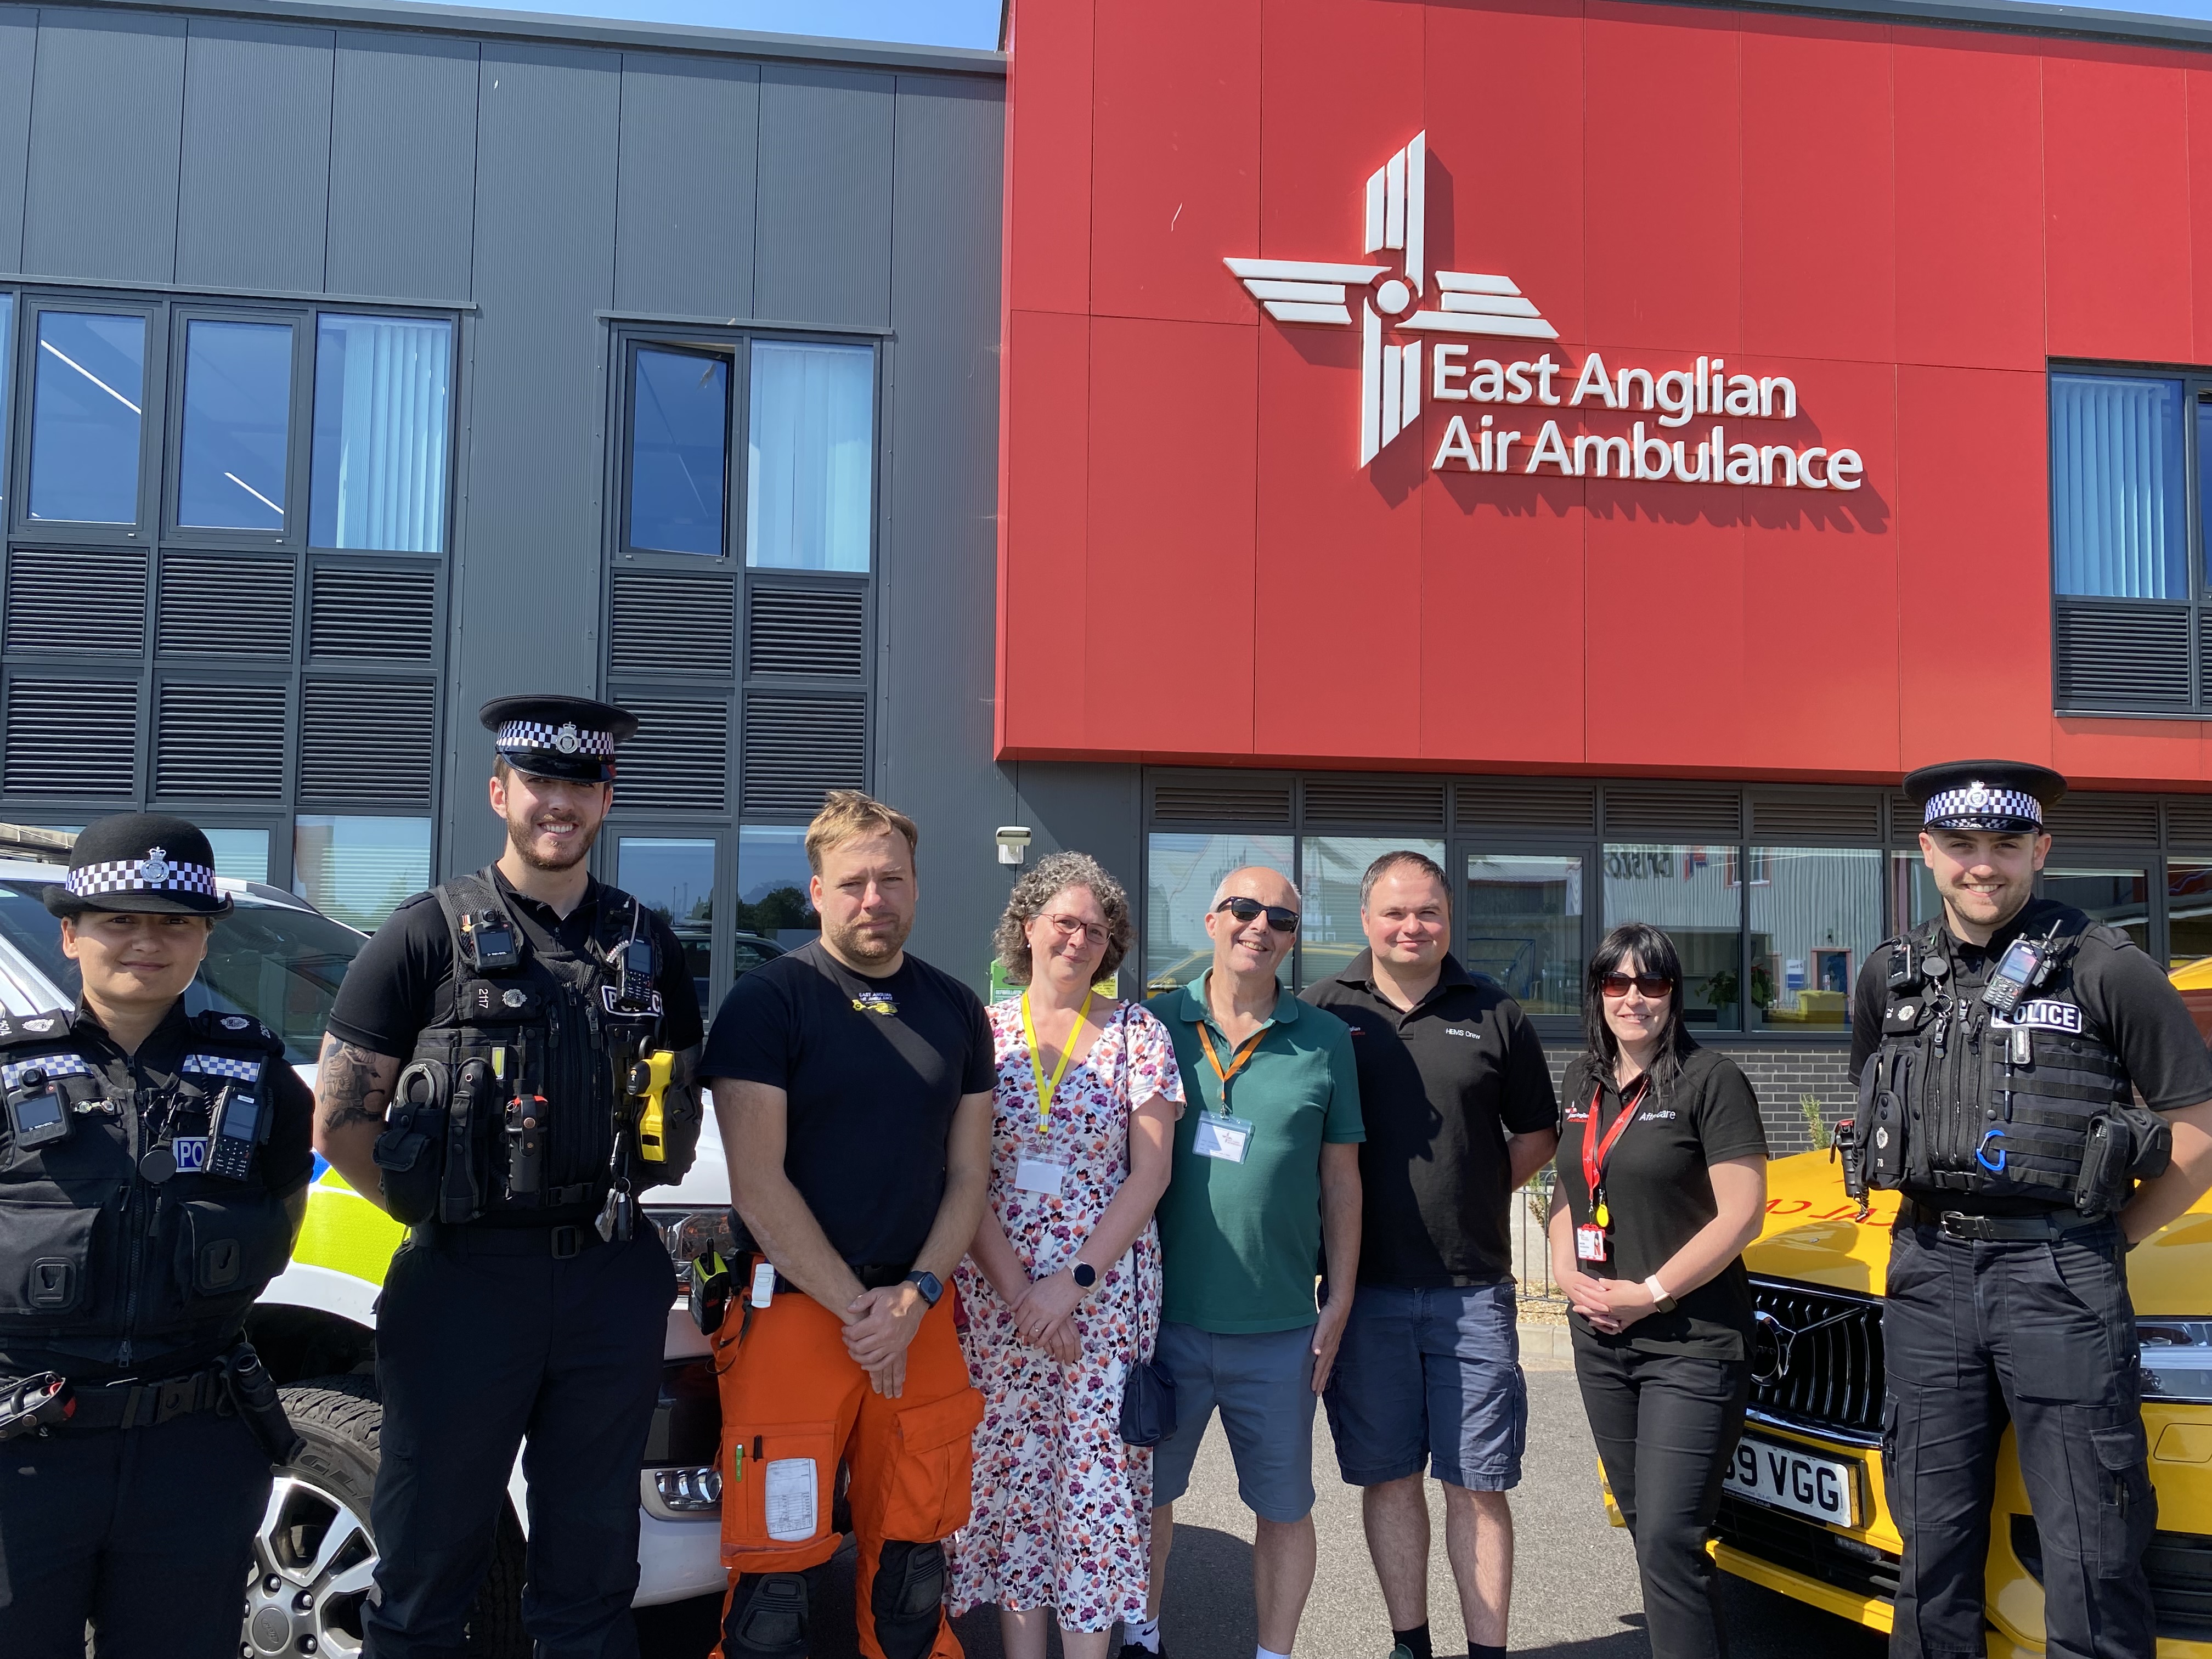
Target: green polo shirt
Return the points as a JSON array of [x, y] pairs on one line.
[[1241, 1242]]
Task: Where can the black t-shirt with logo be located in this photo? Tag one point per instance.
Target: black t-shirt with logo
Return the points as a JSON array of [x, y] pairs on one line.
[[1441, 1087], [873, 1070], [1660, 1193]]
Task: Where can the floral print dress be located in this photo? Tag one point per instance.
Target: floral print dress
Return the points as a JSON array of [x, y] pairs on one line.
[[1063, 1509]]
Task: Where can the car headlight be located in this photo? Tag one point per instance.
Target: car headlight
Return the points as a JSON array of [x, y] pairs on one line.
[[2177, 1358]]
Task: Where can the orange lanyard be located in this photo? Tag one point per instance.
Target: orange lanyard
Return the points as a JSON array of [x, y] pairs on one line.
[[1236, 1061]]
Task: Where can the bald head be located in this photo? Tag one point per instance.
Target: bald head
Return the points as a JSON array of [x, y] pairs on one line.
[[1251, 950], [1259, 882]]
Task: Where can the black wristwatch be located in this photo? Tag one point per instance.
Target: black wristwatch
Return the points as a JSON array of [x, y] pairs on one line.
[[929, 1284], [1084, 1274]]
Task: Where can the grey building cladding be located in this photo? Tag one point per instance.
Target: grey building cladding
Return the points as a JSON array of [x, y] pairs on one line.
[[211, 187]]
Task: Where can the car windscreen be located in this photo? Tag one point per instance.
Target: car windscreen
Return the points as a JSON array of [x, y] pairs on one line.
[[281, 965]]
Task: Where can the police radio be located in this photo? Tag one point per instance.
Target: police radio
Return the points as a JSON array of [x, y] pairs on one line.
[[37, 1114], [2024, 965], [236, 1134]]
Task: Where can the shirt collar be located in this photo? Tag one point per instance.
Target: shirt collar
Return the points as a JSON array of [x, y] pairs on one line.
[[169, 1034], [1196, 1008], [539, 908]]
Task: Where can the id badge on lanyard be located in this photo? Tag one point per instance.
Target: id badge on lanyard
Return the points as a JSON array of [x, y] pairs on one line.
[[1593, 1239]]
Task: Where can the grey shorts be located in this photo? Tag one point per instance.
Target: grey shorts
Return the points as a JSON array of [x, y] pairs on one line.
[[1262, 1383], [1432, 1374]]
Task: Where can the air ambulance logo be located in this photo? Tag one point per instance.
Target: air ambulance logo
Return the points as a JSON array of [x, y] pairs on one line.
[[1391, 299]]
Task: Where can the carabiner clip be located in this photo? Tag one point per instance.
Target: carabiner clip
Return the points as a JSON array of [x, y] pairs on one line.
[[1981, 1154]]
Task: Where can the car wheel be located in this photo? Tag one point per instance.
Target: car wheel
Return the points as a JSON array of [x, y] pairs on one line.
[[314, 1558]]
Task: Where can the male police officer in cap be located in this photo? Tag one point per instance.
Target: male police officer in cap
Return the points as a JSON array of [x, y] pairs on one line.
[[508, 1066], [154, 1171], [2001, 1049]]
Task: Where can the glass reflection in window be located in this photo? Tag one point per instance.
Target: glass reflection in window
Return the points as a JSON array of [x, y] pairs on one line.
[[238, 409], [809, 457], [242, 854], [380, 457], [358, 869], [773, 906], [1522, 924], [1913, 896], [1814, 917], [2118, 896], [86, 417], [1330, 933], [1180, 877], [675, 879], [678, 451], [2187, 911], [1695, 895]]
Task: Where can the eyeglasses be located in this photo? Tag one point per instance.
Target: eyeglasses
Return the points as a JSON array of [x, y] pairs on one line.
[[1069, 926], [1248, 910], [1651, 985]]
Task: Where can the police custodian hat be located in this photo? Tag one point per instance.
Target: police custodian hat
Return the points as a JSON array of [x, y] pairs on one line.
[[555, 737], [2006, 796], [140, 861]]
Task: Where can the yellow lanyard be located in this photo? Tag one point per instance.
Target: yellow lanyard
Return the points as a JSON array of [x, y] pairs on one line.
[[1047, 1092]]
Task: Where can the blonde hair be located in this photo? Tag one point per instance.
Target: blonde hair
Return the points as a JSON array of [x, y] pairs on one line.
[[848, 814]]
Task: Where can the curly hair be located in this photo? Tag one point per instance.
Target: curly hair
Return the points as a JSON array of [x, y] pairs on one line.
[[1037, 886]]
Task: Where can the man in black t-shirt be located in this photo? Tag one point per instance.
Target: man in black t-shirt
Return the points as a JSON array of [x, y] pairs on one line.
[[1459, 1111], [2001, 1049], [473, 1085], [852, 1083]]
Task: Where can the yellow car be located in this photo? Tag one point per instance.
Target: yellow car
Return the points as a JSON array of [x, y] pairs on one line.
[[1804, 1512]]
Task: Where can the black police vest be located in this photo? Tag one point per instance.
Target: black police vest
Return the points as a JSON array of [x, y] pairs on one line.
[[509, 1105], [1957, 1100], [142, 1228]]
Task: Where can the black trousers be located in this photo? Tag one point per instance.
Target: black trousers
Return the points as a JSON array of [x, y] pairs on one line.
[[1666, 1425], [478, 1351], [147, 1533], [2041, 1335]]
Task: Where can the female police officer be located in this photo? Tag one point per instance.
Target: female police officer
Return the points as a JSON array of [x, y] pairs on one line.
[[153, 1174]]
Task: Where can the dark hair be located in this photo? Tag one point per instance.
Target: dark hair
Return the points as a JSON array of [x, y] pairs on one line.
[[1405, 856], [1656, 954]]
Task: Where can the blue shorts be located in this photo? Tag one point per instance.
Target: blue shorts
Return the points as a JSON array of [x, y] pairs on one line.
[[1434, 1374], [1262, 1381]]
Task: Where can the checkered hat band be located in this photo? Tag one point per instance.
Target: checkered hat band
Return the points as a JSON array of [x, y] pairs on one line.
[[1983, 804], [129, 876], [11, 1075], [216, 1065], [536, 734]]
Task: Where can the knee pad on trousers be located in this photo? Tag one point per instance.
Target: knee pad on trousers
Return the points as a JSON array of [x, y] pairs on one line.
[[766, 1618], [908, 1599]]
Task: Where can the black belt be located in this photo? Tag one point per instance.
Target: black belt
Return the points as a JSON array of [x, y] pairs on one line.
[[2001, 1229], [873, 1275], [475, 1239], [133, 1403]]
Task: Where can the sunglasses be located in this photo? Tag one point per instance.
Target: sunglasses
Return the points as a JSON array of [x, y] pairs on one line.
[[1248, 910], [1651, 985]]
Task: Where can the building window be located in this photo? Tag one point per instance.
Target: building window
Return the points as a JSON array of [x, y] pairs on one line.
[[679, 434], [2113, 894], [358, 869], [2187, 911], [1330, 936], [1816, 917], [88, 412], [1913, 896], [1689, 893], [1182, 871], [809, 460], [382, 431], [773, 877], [242, 854], [1521, 924], [674, 877], [238, 409]]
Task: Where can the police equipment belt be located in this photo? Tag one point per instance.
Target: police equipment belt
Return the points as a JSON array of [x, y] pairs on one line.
[[131, 1403], [558, 1243], [2000, 1229]]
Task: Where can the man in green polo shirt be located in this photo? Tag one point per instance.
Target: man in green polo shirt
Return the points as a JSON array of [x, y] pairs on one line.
[[1266, 1170]]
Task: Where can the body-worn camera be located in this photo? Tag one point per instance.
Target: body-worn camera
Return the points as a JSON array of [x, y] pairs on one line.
[[489, 939], [37, 1114]]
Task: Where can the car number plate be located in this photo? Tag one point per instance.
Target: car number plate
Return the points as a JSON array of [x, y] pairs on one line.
[[1786, 1477]]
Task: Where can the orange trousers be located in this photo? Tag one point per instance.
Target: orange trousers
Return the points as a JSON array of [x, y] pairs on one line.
[[795, 1405]]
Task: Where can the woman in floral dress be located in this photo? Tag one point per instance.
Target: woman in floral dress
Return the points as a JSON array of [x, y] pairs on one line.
[[1062, 1522]]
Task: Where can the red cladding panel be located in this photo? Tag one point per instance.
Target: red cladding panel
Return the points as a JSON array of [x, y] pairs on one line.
[[1320, 111], [1043, 653], [1049, 100], [2200, 210], [2116, 166]]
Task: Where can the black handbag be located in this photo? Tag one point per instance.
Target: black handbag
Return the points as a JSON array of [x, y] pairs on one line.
[[1148, 1408]]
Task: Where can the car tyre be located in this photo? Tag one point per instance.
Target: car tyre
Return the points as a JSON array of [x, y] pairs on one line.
[[315, 1548]]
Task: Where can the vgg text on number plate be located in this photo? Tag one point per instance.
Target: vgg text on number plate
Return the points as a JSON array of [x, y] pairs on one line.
[[1789, 1478]]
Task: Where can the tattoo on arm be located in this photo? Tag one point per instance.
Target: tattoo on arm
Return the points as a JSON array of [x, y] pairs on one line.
[[348, 1088]]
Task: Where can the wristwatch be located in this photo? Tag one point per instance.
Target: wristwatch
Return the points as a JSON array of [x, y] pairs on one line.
[[1660, 1301], [929, 1284], [1084, 1274]]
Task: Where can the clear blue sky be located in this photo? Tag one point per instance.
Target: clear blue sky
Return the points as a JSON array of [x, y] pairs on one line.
[[920, 22]]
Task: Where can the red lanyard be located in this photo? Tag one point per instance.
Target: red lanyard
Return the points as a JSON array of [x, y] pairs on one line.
[[1593, 1156]]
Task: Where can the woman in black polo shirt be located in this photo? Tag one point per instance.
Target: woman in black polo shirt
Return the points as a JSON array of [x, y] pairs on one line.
[[1669, 1135]]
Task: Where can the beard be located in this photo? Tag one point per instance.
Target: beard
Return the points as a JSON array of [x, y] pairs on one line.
[[862, 946], [520, 833]]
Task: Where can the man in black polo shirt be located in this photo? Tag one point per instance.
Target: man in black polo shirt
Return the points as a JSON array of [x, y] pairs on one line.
[[1459, 1111], [853, 1083]]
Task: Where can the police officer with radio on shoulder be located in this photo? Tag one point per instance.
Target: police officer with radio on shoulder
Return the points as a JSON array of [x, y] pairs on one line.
[[2032, 1083], [509, 1065], [153, 1169]]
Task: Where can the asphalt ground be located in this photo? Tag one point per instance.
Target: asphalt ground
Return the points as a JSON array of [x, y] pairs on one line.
[[1574, 1585]]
